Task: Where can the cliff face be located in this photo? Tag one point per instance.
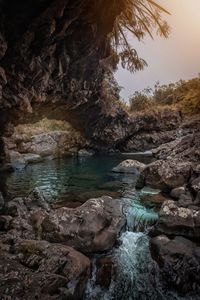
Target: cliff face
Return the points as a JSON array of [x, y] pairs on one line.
[[53, 57]]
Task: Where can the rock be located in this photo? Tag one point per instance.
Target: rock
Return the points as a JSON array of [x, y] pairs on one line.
[[195, 185], [5, 222], [185, 200], [92, 227], [166, 175], [2, 202], [98, 193], [150, 140], [151, 201], [196, 169], [179, 260], [84, 152], [3, 46], [184, 148], [106, 271], [197, 199], [175, 220], [177, 192], [37, 199], [31, 158], [17, 160], [129, 166], [6, 168], [39, 270]]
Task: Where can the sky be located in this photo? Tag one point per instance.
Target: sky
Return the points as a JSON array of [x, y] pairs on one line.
[[172, 59]]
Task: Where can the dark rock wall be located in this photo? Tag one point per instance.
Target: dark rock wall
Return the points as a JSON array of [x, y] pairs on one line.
[[52, 52], [53, 57]]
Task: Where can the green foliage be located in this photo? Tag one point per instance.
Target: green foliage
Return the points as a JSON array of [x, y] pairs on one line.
[[140, 101], [138, 17], [184, 95]]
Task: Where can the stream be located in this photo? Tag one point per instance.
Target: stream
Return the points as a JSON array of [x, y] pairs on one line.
[[134, 275]]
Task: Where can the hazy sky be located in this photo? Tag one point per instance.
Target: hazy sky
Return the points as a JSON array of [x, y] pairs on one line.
[[169, 60]]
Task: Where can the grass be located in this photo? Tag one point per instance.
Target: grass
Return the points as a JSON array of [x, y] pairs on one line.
[[43, 126]]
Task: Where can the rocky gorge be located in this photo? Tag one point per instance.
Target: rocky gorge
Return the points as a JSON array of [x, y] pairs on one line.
[[53, 59]]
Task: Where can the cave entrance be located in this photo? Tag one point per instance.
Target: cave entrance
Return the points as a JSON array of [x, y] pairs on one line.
[[44, 139]]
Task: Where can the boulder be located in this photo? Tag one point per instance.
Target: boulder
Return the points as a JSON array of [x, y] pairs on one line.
[[91, 227], [176, 220], [166, 175], [177, 192], [129, 166], [31, 158], [179, 261], [40, 270]]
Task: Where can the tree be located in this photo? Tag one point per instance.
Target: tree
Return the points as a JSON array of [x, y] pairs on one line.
[[139, 17]]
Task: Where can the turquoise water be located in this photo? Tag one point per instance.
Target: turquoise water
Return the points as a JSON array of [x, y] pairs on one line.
[[74, 180], [71, 179]]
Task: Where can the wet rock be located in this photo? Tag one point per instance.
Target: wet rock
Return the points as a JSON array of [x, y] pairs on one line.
[[16, 159], [98, 193], [129, 166], [179, 261], [166, 175], [177, 192], [85, 152], [176, 220], [151, 201], [31, 158], [106, 271], [39, 270]]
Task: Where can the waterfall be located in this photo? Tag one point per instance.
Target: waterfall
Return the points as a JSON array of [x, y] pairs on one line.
[[137, 275]]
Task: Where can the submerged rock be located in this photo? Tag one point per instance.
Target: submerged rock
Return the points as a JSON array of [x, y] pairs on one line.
[[179, 261], [129, 166]]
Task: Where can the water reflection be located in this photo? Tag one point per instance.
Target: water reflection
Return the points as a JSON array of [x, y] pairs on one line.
[[70, 179]]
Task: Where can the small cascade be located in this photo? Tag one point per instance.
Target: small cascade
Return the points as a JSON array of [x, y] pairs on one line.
[[136, 274], [139, 218]]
